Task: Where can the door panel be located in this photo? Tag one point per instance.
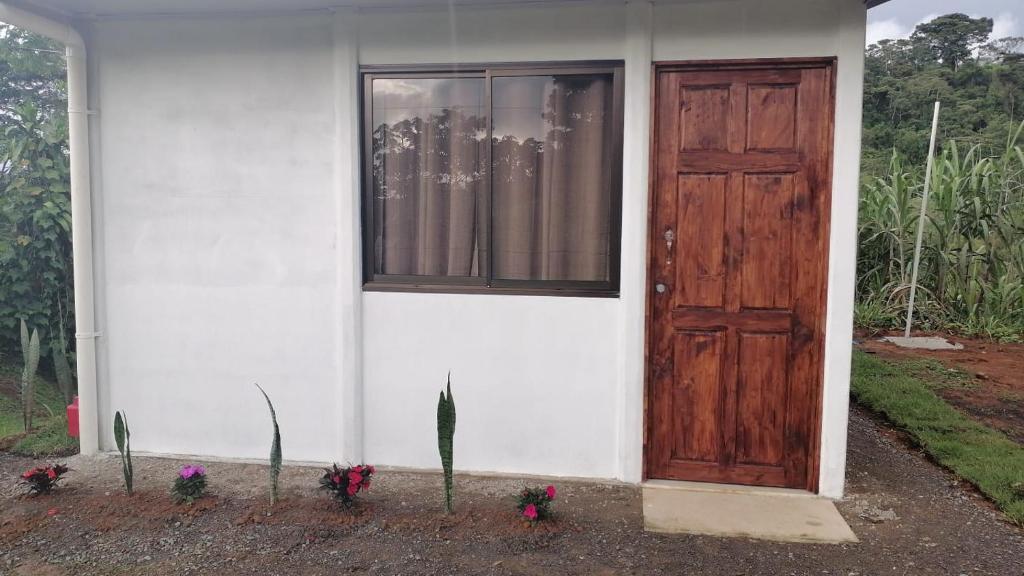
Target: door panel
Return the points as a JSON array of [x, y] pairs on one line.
[[739, 243], [696, 393], [700, 275], [761, 397], [767, 229]]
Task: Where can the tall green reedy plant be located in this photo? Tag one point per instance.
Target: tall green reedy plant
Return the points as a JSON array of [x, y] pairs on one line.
[[62, 367], [275, 450], [972, 265], [30, 355], [445, 440], [123, 439]]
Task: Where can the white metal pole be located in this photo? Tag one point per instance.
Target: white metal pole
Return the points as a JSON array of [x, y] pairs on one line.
[[921, 219]]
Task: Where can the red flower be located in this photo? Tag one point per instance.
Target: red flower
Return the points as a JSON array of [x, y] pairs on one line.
[[336, 479], [551, 492], [530, 511], [28, 474], [366, 484], [371, 469], [51, 474], [358, 469], [352, 489], [354, 478]]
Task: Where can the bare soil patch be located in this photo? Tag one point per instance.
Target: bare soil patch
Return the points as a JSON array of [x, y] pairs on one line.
[[994, 392], [911, 517]]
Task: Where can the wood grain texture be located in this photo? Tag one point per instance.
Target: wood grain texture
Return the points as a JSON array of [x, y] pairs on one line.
[[741, 175]]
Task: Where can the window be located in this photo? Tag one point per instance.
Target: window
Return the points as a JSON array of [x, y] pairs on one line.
[[488, 179]]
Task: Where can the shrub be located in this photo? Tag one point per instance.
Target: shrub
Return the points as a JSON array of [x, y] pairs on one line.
[[189, 485], [346, 483], [535, 503], [43, 479]]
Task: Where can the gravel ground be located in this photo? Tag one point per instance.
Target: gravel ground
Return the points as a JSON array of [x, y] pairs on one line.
[[911, 517]]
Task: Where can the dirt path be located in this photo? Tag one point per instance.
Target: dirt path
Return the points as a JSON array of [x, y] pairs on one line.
[[994, 392], [89, 528]]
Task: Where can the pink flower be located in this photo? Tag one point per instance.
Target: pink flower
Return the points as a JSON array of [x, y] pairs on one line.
[[352, 489], [551, 492], [358, 469], [530, 511], [51, 474], [354, 478], [336, 479], [200, 470]]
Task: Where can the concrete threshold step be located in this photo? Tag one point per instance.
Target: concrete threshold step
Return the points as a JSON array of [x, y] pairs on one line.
[[778, 514]]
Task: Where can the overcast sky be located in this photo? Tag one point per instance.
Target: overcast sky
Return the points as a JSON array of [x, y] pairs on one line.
[[897, 18]]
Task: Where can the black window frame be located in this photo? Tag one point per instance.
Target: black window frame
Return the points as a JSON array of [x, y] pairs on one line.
[[486, 283]]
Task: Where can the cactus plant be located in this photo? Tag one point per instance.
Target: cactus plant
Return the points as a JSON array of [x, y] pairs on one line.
[[275, 450], [30, 354], [445, 438], [122, 437]]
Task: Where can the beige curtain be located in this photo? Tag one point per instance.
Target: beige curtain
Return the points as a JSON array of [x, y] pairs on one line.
[[551, 182], [552, 193], [428, 176]]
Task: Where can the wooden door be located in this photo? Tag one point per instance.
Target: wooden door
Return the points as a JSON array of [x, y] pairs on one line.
[[738, 266]]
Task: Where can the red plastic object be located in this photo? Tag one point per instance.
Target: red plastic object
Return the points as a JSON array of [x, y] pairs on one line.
[[73, 418]]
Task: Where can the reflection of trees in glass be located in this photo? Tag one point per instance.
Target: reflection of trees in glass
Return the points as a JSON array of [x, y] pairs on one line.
[[549, 174], [443, 150]]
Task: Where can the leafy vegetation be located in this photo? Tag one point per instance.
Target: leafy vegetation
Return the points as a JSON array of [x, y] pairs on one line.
[[35, 205], [49, 437], [972, 264], [978, 454]]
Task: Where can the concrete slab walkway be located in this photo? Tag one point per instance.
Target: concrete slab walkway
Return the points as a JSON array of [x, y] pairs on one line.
[[752, 512]]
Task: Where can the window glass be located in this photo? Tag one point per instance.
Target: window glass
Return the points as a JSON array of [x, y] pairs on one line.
[[552, 188], [429, 173], [483, 178]]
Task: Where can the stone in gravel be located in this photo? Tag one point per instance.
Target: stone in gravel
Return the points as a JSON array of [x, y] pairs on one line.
[[876, 515]]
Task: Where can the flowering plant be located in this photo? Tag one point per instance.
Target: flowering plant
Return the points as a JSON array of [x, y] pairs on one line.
[[347, 482], [535, 503], [42, 479], [190, 484]]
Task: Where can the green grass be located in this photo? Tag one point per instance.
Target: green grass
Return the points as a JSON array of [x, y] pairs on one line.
[[49, 435], [976, 453], [937, 376], [49, 438]]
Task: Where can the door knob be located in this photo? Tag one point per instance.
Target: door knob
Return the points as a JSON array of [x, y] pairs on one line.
[[659, 288]]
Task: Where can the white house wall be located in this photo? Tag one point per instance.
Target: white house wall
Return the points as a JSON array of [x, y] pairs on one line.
[[222, 224], [219, 233]]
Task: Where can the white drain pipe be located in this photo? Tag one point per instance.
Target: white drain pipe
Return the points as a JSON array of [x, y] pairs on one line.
[[81, 211]]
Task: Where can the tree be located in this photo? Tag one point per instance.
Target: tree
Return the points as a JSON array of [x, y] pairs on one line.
[[953, 38], [981, 97], [35, 210]]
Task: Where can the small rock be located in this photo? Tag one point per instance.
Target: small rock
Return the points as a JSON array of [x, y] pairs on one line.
[[876, 515]]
